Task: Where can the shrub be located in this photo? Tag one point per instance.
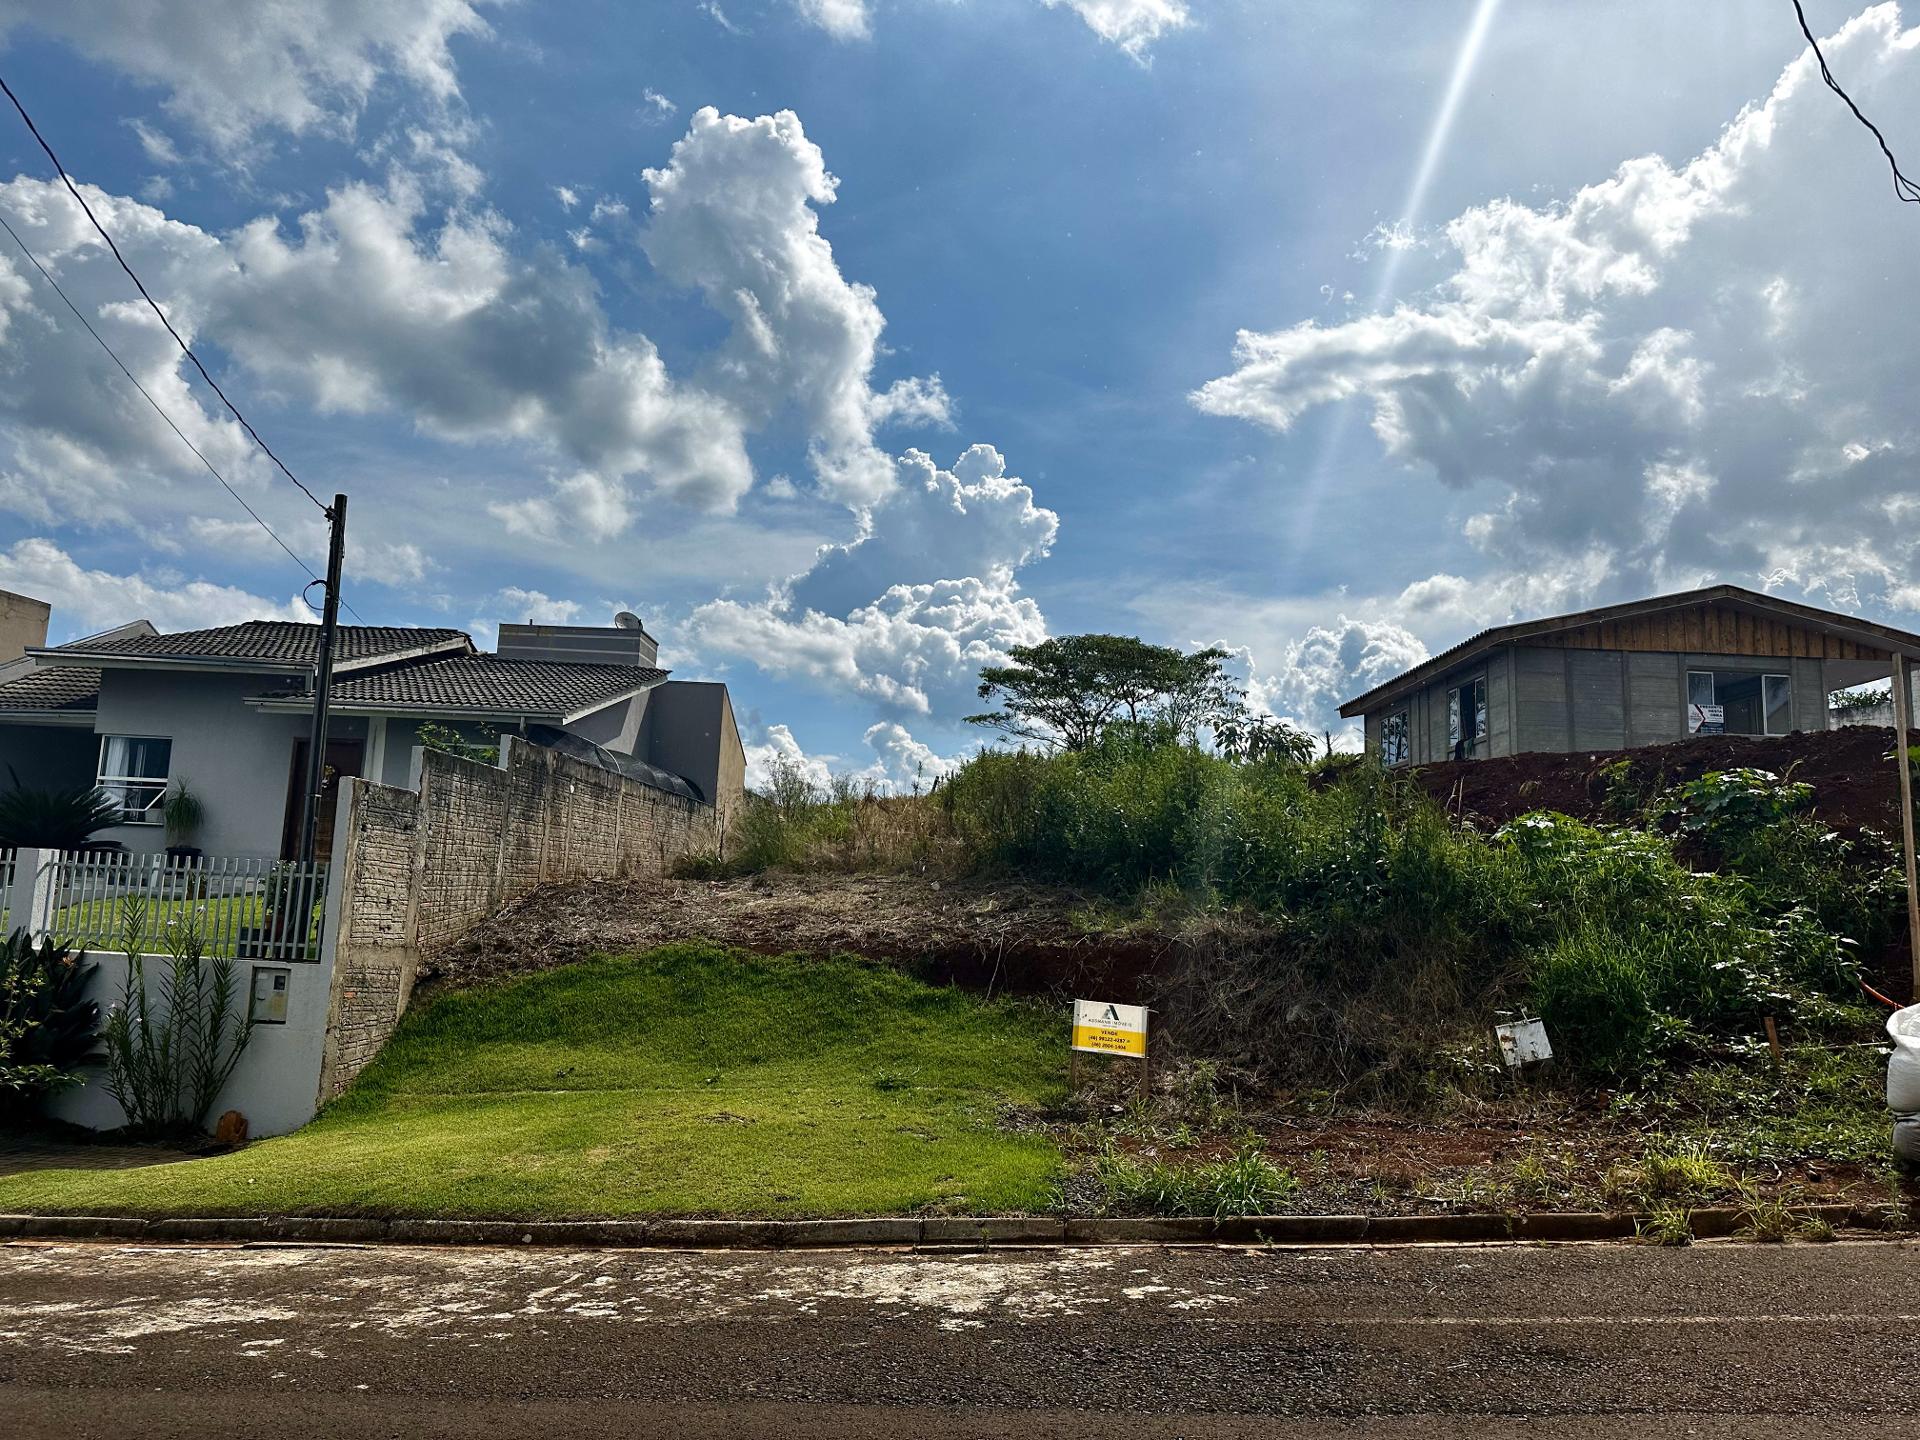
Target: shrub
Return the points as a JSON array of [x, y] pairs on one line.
[[1599, 1003], [57, 819], [48, 1028]]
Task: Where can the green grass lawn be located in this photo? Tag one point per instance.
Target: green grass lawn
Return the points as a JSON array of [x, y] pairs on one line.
[[691, 1080], [101, 925]]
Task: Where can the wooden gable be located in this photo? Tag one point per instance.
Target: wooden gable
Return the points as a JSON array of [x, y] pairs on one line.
[[1710, 629]]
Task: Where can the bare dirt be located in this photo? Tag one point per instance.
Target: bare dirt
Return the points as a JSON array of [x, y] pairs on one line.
[[984, 934], [1851, 770]]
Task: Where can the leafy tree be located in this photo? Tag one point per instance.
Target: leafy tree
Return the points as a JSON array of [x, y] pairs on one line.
[[449, 741], [1065, 692], [59, 819]]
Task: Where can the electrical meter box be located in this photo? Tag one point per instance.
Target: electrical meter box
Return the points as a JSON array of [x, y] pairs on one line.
[[270, 985]]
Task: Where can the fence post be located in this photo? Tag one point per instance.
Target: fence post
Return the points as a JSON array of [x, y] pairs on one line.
[[31, 905]]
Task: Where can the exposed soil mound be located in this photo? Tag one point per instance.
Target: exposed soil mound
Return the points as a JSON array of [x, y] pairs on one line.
[[1851, 771], [978, 933]]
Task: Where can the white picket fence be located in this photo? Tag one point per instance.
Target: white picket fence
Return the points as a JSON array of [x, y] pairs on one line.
[[238, 907]]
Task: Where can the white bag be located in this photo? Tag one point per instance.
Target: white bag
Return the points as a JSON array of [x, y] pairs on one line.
[[1906, 1138], [1903, 1070]]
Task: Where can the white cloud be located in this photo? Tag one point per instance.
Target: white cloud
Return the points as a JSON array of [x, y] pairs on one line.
[[1133, 25], [733, 216], [369, 556], [655, 108], [776, 743], [537, 608], [85, 600], [907, 612], [901, 765], [232, 68], [1683, 372], [159, 147], [1328, 665], [842, 19], [567, 196]]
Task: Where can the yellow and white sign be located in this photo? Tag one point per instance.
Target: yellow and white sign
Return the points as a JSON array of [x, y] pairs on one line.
[[1109, 1029]]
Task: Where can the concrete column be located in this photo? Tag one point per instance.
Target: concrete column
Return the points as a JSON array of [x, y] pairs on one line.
[[30, 906]]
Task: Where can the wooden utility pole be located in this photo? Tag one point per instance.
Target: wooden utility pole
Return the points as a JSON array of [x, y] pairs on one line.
[[323, 679], [1901, 705]]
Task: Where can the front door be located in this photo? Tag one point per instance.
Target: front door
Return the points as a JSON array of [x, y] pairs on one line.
[[344, 757]]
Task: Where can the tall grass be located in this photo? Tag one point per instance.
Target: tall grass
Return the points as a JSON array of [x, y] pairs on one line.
[[1387, 932]]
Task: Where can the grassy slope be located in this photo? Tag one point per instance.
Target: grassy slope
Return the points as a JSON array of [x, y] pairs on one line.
[[689, 1080]]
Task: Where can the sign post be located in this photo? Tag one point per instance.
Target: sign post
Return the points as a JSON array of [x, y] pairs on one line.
[[1105, 1027]]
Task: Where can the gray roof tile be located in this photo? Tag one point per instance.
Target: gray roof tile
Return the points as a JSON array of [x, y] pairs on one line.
[[452, 683], [276, 642], [69, 688]]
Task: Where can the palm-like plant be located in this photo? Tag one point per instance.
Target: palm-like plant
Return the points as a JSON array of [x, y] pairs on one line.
[[54, 819]]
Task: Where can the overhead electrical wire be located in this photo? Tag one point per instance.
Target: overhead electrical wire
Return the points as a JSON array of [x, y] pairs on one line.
[[74, 191], [185, 349], [79, 315], [1904, 188]]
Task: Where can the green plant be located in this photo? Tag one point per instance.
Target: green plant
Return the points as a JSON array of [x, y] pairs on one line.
[[54, 819], [1669, 1173], [1767, 1219], [183, 812], [1665, 1225], [168, 1061], [1743, 799], [449, 741], [48, 1026], [1859, 699], [1244, 1184]]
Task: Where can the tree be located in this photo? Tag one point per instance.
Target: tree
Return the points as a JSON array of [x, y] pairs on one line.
[[1066, 691]]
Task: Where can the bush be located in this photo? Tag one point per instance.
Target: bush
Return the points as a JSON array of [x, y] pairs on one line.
[[1598, 1002], [1245, 1184], [48, 1028]]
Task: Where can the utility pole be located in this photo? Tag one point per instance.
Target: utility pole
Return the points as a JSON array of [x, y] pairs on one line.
[[1902, 705], [323, 678]]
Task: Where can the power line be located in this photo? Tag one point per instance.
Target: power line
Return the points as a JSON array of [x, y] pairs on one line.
[[146, 395], [74, 191], [1903, 187]]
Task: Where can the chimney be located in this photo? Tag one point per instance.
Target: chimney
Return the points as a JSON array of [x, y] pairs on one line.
[[23, 623], [625, 642]]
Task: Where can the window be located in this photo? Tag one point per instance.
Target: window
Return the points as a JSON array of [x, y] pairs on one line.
[[1777, 691], [1393, 739], [133, 772], [1466, 718], [1738, 702]]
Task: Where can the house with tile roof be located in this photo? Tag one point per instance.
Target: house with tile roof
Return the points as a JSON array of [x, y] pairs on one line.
[[224, 713]]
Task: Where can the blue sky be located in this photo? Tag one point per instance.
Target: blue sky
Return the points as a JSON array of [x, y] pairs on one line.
[[570, 342]]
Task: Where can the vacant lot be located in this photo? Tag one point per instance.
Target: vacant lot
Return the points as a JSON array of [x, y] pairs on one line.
[[688, 1080]]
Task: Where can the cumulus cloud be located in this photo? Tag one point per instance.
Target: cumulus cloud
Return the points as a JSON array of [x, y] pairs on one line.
[[381, 302], [1683, 372], [908, 612], [85, 600], [1133, 25], [733, 215], [233, 68], [899, 764], [1328, 665]]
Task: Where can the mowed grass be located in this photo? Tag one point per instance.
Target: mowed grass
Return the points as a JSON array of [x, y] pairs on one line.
[[691, 1080]]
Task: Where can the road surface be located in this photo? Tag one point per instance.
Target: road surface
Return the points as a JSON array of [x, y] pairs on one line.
[[1723, 1340]]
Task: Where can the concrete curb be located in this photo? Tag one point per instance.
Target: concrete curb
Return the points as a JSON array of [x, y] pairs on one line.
[[905, 1231]]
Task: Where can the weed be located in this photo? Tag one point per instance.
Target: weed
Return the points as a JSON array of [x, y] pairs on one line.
[[1664, 1225], [1244, 1184], [1668, 1174], [1766, 1219]]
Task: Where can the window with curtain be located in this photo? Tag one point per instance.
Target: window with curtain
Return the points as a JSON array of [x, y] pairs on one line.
[[133, 772]]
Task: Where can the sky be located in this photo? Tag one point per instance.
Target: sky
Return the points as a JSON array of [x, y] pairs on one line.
[[852, 342]]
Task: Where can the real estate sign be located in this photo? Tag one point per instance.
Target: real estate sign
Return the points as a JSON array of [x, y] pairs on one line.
[[1706, 719], [1107, 1028]]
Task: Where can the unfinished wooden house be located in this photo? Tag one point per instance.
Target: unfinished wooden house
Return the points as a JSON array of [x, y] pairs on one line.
[[1722, 660]]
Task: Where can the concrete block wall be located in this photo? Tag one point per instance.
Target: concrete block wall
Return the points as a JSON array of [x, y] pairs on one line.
[[420, 868]]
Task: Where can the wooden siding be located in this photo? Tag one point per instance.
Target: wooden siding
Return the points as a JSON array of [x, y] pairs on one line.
[[1710, 630]]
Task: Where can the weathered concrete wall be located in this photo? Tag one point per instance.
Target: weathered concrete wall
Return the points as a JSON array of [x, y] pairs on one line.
[[420, 868]]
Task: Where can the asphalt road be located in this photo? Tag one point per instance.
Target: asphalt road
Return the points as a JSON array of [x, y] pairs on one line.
[[1725, 1340]]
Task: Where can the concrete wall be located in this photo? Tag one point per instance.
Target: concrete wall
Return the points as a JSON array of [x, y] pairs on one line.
[[418, 870], [47, 757], [691, 732], [23, 622], [274, 1083], [234, 757]]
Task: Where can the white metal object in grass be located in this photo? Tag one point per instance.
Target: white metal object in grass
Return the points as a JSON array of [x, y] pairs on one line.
[[1522, 1042]]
